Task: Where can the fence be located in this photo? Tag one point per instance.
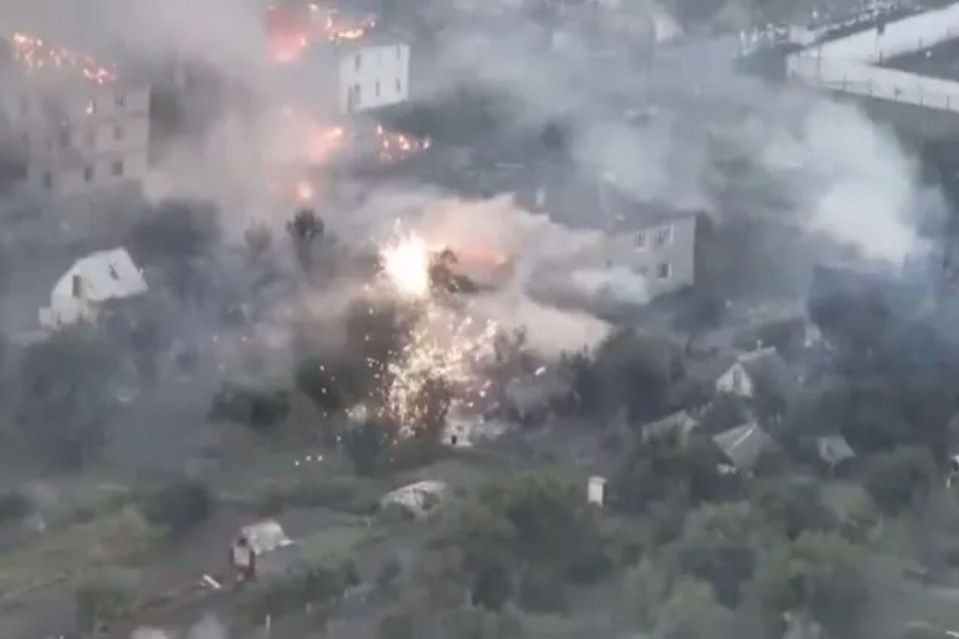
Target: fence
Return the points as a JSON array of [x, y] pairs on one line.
[[887, 84]]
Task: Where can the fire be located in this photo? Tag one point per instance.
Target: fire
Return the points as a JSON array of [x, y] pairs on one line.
[[394, 146], [291, 30], [406, 264], [36, 55], [324, 143], [304, 191]]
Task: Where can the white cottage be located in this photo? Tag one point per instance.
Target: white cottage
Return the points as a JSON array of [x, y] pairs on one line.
[[91, 283]]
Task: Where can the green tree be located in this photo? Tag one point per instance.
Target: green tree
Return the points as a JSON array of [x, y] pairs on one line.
[[792, 505], [65, 398], [719, 544], [262, 410], [692, 612], [819, 573], [179, 506], [900, 479]]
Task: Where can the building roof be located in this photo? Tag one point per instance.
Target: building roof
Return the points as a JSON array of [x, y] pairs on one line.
[[265, 536], [678, 424], [105, 276], [743, 445], [577, 199], [768, 371], [418, 499], [834, 449]]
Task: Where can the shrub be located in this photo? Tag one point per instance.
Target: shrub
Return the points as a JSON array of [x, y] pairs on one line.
[[103, 598], [179, 506], [261, 410], [900, 479]]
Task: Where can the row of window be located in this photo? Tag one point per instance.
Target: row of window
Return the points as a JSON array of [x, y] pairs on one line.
[[358, 58], [89, 174], [65, 138], [664, 271], [663, 236], [119, 102], [355, 97]]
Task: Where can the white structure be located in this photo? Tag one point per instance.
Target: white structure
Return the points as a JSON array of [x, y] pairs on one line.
[[417, 500], [264, 536], [364, 74], [849, 64], [753, 370], [596, 490], [94, 281], [72, 134]]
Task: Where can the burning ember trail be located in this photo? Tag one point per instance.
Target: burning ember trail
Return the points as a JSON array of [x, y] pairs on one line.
[[445, 350], [36, 55]]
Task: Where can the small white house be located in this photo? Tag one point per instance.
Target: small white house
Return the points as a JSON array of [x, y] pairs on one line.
[[360, 75], [93, 282], [755, 372]]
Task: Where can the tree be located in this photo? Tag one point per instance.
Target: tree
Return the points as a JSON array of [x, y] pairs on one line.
[[258, 240], [261, 410], [792, 505], [178, 506], [65, 397], [900, 479], [305, 227], [818, 573], [179, 230], [366, 444], [692, 612], [718, 544]]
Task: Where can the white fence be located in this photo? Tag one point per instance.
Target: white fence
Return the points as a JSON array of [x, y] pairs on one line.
[[863, 79], [847, 64]]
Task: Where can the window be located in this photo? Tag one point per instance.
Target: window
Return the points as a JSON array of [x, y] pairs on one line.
[[47, 180], [88, 174], [399, 52], [121, 101], [117, 169], [664, 271], [77, 286], [664, 235], [640, 270], [113, 272], [399, 86], [358, 61], [118, 133], [377, 88], [640, 240], [354, 98]]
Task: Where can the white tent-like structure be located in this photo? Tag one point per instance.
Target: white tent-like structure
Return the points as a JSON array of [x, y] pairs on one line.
[[92, 282]]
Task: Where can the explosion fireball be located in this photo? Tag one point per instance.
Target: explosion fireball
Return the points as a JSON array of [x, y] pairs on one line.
[[439, 364]]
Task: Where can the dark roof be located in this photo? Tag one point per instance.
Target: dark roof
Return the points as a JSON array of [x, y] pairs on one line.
[[578, 199]]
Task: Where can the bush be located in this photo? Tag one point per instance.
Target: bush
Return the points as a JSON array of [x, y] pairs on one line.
[[104, 598], [178, 507], [542, 591], [900, 479], [307, 583], [818, 572], [261, 410], [14, 505], [397, 625], [793, 505]]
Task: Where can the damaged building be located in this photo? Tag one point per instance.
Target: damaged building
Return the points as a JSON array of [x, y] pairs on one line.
[[644, 250], [71, 127]]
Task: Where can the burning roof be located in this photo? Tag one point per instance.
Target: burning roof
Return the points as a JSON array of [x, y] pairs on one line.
[[290, 29], [36, 55]]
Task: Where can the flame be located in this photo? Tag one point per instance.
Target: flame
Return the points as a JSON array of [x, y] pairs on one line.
[[324, 143], [304, 191], [291, 30], [36, 55], [406, 264]]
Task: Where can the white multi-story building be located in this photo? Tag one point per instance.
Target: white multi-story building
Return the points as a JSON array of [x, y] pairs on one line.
[[361, 75], [71, 132]]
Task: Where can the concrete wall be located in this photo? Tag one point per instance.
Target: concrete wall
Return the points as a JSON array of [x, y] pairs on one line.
[[376, 75], [902, 36], [641, 253]]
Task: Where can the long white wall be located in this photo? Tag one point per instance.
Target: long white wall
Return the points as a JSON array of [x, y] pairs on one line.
[[848, 64]]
